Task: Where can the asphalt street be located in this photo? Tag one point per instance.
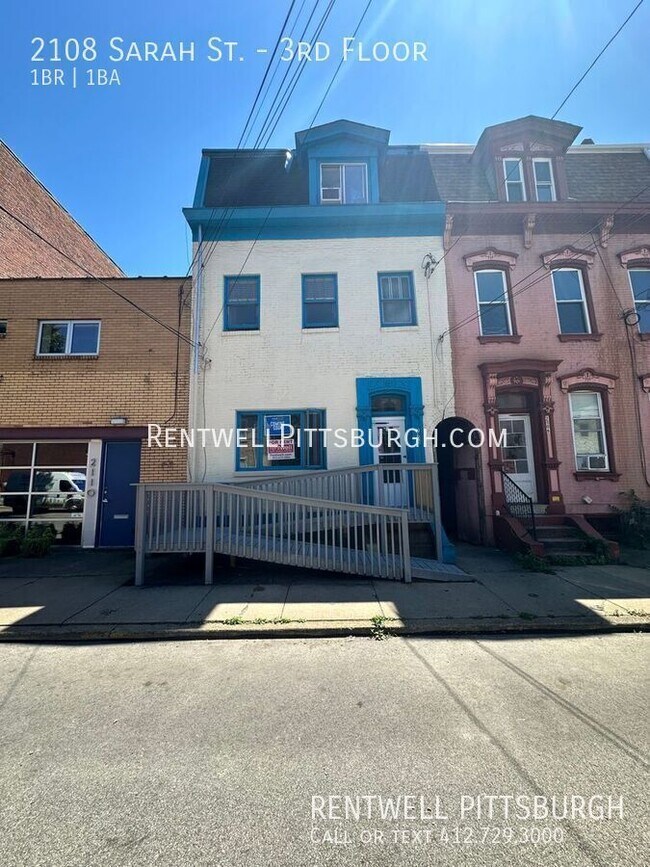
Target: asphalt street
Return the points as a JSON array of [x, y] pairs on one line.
[[243, 752]]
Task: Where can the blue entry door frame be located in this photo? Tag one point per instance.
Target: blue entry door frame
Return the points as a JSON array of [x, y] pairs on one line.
[[121, 470], [410, 388]]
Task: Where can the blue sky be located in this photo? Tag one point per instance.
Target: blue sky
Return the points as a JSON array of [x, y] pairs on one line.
[[124, 159]]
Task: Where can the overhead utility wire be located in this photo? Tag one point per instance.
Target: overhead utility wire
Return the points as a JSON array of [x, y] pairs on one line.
[[559, 108], [94, 277], [261, 229]]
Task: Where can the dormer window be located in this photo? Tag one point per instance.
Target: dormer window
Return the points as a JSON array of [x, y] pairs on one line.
[[513, 176], [343, 183], [544, 183]]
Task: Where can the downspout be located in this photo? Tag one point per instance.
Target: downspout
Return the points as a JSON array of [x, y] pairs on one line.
[[196, 336], [197, 303]]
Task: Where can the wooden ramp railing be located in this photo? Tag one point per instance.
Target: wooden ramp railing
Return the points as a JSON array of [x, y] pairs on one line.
[[405, 486], [317, 533]]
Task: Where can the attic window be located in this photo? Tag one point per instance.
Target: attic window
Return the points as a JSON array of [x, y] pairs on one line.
[[544, 184], [513, 177], [343, 184]]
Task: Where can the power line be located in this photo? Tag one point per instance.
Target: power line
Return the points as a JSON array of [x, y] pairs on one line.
[[509, 293], [228, 212], [508, 176], [112, 289], [594, 62], [256, 239], [266, 72]]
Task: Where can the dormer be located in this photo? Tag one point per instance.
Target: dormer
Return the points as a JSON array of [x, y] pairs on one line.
[[343, 162], [524, 158]]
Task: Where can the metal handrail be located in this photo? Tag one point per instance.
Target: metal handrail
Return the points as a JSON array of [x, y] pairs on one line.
[[518, 503]]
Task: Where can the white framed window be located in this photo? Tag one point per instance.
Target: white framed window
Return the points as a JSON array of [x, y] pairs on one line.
[[492, 301], [344, 183], [68, 337], [640, 285], [513, 178], [544, 181], [589, 441], [570, 301]]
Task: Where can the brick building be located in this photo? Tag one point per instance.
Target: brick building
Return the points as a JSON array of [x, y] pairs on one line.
[[22, 253], [82, 373], [313, 305], [547, 253]]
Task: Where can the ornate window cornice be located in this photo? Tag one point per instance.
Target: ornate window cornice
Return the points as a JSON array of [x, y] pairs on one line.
[[637, 256], [568, 255], [586, 378], [489, 258]]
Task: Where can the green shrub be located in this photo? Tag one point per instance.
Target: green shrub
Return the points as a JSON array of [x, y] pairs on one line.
[[532, 563], [37, 540], [10, 538], [635, 520]]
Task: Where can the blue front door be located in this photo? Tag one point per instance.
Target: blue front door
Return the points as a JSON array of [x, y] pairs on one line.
[[121, 470]]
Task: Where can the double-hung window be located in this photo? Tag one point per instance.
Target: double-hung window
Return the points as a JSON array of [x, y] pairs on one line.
[[319, 301], [241, 303], [570, 300], [588, 431], [544, 183], [492, 299], [343, 183], [71, 337], [397, 299], [280, 439], [513, 178], [640, 282]]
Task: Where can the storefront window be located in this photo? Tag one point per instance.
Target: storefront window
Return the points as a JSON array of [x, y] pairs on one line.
[[44, 483]]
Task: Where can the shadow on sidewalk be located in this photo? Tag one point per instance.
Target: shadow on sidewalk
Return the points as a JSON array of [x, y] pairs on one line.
[[85, 591]]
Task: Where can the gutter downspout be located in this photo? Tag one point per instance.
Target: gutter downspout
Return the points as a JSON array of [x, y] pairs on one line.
[[196, 336], [197, 303]]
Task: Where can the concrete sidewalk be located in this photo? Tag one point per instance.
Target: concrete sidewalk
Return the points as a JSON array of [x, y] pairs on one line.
[[89, 595]]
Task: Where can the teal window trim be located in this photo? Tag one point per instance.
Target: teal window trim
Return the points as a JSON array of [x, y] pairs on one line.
[[413, 317], [320, 321], [228, 304], [260, 440]]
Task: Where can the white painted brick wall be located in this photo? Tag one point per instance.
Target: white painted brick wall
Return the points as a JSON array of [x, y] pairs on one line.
[[284, 367]]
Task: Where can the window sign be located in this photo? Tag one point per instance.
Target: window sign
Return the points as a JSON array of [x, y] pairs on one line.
[[280, 450], [277, 425]]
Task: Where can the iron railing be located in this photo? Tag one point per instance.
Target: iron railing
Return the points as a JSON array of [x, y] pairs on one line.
[[518, 503]]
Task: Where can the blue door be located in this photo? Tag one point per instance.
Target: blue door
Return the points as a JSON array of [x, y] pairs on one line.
[[121, 470]]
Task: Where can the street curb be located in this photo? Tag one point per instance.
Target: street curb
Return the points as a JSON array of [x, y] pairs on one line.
[[319, 629]]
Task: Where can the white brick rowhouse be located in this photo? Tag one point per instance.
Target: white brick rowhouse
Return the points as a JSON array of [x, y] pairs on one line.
[[283, 366]]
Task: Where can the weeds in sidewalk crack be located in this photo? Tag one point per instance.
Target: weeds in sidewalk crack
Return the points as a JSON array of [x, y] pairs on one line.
[[378, 630]]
